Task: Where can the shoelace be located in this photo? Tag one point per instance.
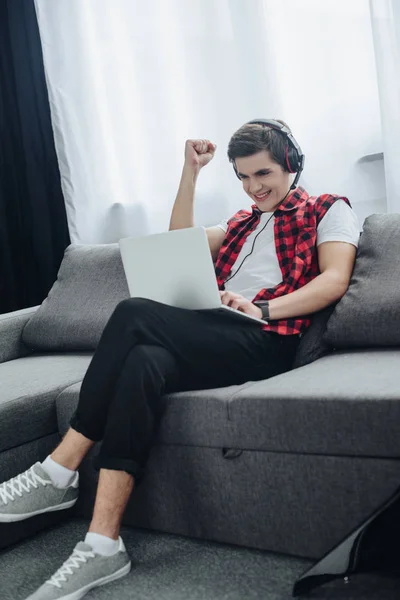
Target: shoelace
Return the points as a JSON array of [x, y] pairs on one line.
[[20, 483], [74, 562]]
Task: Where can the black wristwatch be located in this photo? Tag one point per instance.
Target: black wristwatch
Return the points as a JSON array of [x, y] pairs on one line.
[[264, 305]]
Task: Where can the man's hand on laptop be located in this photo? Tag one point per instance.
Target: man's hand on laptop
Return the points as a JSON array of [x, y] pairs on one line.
[[240, 303]]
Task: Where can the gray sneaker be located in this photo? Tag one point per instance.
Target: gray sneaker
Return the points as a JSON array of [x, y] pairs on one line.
[[83, 571], [32, 493]]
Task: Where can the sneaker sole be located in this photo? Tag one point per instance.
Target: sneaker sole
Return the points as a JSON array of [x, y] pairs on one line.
[[83, 591], [5, 518]]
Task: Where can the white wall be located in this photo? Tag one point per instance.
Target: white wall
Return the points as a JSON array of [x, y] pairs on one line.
[[325, 88], [128, 86]]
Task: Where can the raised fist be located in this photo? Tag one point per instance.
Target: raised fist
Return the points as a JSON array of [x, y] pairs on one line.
[[198, 153]]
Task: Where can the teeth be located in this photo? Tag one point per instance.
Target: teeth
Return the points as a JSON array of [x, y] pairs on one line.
[[263, 195]]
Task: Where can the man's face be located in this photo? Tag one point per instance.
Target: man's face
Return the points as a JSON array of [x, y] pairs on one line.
[[263, 180]]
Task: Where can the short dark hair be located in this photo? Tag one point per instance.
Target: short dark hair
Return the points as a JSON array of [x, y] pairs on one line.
[[253, 138]]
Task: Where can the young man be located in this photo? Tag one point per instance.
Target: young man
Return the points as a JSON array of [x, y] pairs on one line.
[[288, 257]]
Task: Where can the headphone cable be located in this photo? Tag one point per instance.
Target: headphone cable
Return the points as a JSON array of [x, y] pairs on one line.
[[254, 241]]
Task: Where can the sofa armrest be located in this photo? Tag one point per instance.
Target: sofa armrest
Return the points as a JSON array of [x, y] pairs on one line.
[[11, 326]]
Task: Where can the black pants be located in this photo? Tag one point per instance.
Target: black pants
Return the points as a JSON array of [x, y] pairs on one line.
[[148, 349]]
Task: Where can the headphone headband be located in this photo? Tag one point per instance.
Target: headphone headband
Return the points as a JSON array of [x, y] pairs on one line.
[[299, 156]]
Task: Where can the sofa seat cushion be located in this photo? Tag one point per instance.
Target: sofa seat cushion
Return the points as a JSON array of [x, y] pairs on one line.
[[29, 388], [194, 418], [347, 403]]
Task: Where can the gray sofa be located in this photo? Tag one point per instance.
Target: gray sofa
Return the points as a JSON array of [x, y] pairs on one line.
[[289, 464]]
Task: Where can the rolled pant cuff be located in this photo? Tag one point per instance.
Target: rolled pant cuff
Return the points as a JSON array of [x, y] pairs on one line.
[[120, 464], [78, 426]]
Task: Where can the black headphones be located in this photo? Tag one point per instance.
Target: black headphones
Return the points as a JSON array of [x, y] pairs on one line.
[[294, 155]]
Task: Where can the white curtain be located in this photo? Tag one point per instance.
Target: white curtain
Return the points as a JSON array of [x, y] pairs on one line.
[[386, 34], [129, 81]]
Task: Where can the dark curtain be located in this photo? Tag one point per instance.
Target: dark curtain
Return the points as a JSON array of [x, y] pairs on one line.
[[33, 224]]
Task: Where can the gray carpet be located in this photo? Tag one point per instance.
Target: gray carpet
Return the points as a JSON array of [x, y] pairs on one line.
[[168, 567]]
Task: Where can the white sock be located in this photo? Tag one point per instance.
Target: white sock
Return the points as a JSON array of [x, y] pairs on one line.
[[60, 476], [102, 544]]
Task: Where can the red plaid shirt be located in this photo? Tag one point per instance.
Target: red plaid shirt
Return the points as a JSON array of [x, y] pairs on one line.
[[295, 231]]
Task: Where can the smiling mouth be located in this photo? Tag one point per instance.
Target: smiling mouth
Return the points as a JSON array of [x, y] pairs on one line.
[[262, 196]]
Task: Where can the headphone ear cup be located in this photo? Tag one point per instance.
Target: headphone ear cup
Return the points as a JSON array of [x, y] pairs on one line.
[[293, 159]]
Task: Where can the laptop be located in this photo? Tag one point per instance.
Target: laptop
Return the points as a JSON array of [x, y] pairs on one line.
[[175, 268]]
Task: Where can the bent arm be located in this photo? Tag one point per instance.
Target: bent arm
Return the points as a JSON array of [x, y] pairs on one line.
[[336, 262], [182, 212]]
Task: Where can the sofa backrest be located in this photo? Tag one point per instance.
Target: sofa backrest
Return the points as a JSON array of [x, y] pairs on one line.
[[90, 283], [368, 315]]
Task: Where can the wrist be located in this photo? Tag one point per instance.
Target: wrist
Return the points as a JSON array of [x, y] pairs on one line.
[[190, 172], [263, 306]]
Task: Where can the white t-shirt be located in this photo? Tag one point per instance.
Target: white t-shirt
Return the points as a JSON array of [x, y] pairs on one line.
[[261, 269]]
